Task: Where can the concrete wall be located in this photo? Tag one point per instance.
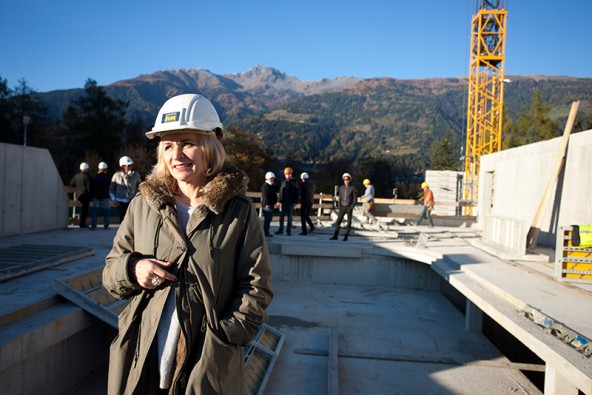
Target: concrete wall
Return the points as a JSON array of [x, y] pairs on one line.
[[53, 350], [33, 197], [512, 184], [355, 265]]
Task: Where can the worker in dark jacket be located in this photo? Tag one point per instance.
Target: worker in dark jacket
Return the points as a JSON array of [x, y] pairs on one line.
[[82, 183], [307, 190], [289, 196], [347, 201], [99, 188], [269, 201]]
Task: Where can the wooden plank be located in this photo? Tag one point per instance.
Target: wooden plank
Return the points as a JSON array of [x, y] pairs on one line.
[[535, 228]]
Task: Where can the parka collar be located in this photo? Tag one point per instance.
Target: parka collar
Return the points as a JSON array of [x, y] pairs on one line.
[[230, 182]]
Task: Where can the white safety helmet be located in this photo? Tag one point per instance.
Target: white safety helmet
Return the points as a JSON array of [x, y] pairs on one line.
[[125, 161], [269, 175], [103, 166], [84, 166], [189, 112], [304, 176], [346, 175]]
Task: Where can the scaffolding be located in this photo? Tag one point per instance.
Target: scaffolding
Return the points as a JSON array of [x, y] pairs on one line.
[[486, 90]]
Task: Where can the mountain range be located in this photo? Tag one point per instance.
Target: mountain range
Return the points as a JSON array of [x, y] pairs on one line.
[[343, 118]]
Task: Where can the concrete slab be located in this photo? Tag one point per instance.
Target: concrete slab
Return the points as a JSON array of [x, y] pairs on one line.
[[383, 333], [390, 341]]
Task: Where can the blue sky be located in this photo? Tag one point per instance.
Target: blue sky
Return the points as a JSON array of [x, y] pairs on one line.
[[60, 44]]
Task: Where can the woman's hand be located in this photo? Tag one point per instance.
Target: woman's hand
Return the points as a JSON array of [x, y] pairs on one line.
[[150, 273]]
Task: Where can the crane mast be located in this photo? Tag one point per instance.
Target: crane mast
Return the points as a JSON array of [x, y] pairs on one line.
[[486, 89]]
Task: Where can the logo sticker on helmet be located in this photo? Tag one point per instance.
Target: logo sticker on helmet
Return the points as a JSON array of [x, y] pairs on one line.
[[170, 117]]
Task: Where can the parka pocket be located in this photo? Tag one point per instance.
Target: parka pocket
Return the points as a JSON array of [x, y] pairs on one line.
[[220, 368], [220, 353]]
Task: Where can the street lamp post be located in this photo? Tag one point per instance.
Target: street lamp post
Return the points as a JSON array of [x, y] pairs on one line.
[[26, 122]]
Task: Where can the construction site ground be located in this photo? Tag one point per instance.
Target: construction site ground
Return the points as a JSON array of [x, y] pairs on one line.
[[352, 339]]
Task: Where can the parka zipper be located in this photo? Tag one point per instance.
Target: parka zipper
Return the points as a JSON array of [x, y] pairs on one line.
[[180, 380], [137, 351]]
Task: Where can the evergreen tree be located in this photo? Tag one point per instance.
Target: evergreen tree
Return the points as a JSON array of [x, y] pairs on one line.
[[15, 104], [95, 123], [536, 125], [378, 171], [5, 111], [26, 103], [444, 153]]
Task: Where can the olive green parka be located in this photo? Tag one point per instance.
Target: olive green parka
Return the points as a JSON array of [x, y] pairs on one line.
[[223, 287]]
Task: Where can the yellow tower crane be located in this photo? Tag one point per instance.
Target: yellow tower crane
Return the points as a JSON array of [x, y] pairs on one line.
[[486, 89]]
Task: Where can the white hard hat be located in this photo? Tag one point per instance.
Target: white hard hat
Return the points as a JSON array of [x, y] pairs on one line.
[[346, 175], [189, 112], [304, 176], [269, 175], [125, 161], [84, 166], [102, 166]]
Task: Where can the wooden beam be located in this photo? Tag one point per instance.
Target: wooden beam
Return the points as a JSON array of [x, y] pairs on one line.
[[535, 228]]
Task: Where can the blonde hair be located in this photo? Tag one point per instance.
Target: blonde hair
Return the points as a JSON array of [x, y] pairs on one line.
[[213, 153]]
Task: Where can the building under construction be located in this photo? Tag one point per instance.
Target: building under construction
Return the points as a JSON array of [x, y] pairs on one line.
[[497, 301], [465, 307]]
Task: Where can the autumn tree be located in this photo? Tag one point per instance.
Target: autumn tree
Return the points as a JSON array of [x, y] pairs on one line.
[[243, 150]]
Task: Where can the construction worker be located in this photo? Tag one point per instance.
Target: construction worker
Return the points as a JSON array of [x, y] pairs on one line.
[[82, 183], [124, 185], [347, 201], [99, 188], [289, 196], [368, 199], [307, 191], [269, 201], [428, 204]]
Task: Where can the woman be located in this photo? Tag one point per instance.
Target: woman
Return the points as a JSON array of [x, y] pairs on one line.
[[191, 255]]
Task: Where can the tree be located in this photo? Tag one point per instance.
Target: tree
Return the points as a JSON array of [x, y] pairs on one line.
[[536, 125], [94, 123], [510, 135], [27, 103], [5, 110], [444, 153], [243, 150], [378, 171], [15, 104]]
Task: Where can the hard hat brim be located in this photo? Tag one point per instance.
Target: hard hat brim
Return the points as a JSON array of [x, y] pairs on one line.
[[161, 133]]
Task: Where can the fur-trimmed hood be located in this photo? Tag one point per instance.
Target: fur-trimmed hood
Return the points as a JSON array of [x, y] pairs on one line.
[[230, 182]]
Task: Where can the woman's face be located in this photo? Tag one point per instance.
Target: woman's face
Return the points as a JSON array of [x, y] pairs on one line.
[[184, 158]]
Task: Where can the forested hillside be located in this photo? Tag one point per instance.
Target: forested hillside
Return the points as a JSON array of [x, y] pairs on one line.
[[382, 117], [387, 128]]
